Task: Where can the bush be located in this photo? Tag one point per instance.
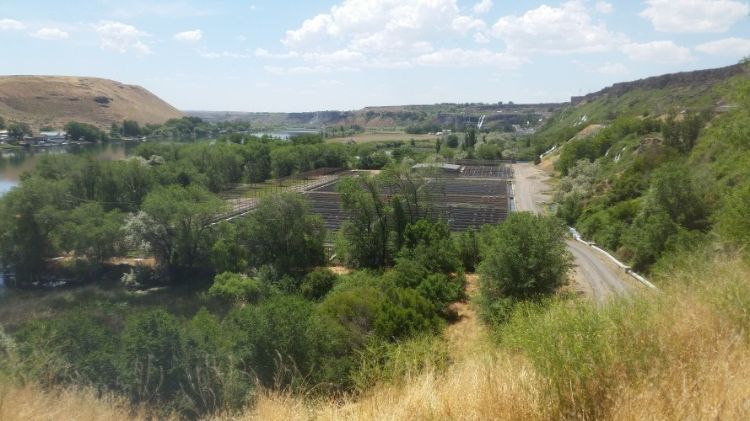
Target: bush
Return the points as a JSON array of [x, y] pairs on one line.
[[237, 288], [73, 349], [317, 283], [150, 357], [467, 247], [212, 382], [442, 290], [404, 314], [524, 257], [274, 339]]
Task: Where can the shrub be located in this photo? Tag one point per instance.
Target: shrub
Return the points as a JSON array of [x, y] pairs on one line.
[[467, 246], [524, 257], [274, 339], [150, 357], [405, 313], [237, 288], [318, 283], [73, 349], [442, 290], [212, 381]]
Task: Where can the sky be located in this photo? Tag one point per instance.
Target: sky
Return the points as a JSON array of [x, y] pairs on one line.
[[347, 54]]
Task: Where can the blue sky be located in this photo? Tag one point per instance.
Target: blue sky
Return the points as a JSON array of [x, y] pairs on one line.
[[347, 54]]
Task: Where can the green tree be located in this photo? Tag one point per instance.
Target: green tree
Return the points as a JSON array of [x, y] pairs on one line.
[[470, 139], [524, 257], [131, 128], [16, 131], [30, 215], [430, 244], [91, 232], [174, 224], [367, 233], [733, 220], [85, 131], [2, 123], [283, 233]]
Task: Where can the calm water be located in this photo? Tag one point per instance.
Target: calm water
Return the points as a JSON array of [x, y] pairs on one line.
[[15, 163]]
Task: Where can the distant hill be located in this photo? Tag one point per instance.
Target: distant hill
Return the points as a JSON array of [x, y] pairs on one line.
[[55, 100], [695, 80], [446, 115]]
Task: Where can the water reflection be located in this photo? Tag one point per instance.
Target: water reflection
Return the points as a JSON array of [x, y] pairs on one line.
[[13, 163]]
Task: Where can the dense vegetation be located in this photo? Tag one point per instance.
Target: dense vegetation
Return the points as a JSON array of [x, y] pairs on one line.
[[648, 186], [259, 311]]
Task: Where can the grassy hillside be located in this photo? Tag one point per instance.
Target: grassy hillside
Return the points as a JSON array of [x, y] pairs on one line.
[[708, 92], [55, 100], [668, 172]]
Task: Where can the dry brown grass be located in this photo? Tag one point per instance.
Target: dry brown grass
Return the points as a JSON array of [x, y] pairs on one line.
[[482, 387], [31, 403], [56, 100]]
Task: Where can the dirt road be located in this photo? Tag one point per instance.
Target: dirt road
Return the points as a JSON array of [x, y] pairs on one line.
[[595, 275]]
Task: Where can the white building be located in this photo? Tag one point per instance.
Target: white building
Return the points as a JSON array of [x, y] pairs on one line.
[[53, 137]]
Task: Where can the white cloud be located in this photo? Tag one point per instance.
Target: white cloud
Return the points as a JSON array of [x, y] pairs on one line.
[[604, 7], [121, 38], [481, 38], [464, 24], [11, 24], [613, 69], [482, 7], [457, 57], [379, 25], [189, 36], [732, 47], [569, 28], [387, 34], [50, 34], [222, 54], [686, 16], [664, 52]]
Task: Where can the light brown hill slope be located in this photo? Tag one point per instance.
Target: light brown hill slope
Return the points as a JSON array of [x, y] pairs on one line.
[[56, 100]]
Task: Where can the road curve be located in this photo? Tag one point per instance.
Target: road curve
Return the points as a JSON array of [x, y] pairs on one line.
[[594, 274]]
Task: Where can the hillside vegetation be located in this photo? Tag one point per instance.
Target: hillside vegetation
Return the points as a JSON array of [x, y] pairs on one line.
[[53, 101], [668, 172]]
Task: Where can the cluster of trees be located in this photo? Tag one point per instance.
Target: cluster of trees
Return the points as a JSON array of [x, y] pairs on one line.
[[283, 322], [86, 132], [166, 193]]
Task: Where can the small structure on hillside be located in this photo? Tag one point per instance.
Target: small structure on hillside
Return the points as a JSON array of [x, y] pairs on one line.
[[449, 168], [53, 136]]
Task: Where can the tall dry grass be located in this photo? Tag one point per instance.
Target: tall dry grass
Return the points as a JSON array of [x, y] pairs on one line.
[[32, 403]]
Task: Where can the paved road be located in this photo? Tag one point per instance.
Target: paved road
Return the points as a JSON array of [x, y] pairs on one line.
[[594, 274]]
